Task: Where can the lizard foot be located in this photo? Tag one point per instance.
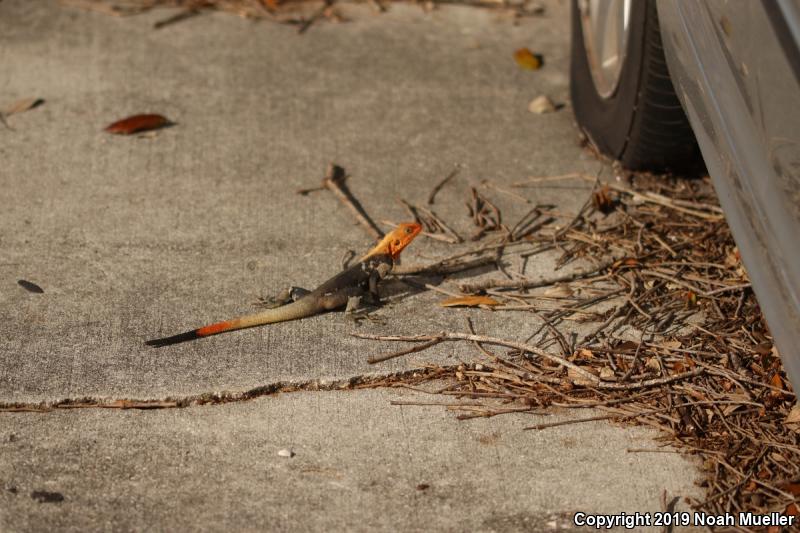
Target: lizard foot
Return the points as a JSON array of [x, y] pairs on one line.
[[286, 296], [356, 313]]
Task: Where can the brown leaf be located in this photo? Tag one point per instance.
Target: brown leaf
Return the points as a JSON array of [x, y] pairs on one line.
[[691, 299], [792, 488], [469, 301], [606, 373], [653, 364], [765, 348], [628, 345], [528, 60], [578, 378], [794, 415], [629, 262], [137, 123], [20, 106], [602, 200]]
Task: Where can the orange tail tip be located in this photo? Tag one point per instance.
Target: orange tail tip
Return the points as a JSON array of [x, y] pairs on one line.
[[205, 331]]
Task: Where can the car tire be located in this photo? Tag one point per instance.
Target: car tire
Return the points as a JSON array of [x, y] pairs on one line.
[[635, 117]]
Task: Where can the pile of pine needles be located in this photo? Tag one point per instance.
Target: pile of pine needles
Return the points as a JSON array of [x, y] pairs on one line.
[[677, 339], [301, 13]]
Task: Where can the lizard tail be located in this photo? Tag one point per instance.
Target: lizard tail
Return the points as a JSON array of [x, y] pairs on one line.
[[298, 309], [198, 333]]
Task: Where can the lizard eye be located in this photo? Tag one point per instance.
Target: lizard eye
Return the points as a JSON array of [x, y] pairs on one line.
[[408, 230]]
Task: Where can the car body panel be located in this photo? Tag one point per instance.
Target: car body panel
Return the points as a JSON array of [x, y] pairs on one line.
[[734, 65]]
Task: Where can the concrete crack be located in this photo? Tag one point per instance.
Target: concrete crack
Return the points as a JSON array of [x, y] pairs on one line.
[[216, 398]]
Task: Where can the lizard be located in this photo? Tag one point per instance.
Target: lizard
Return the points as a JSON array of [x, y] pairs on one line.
[[353, 282]]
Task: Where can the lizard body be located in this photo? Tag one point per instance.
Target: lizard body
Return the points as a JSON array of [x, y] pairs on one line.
[[361, 278]]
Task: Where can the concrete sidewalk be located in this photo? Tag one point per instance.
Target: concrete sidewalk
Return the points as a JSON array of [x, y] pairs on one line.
[[138, 237]]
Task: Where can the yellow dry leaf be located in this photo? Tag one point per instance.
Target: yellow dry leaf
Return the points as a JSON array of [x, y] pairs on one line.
[[578, 378], [23, 105], [606, 373], [794, 415], [558, 291], [653, 364], [527, 59], [469, 301]]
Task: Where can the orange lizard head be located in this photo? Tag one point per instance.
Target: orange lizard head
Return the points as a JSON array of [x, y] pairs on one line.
[[396, 240]]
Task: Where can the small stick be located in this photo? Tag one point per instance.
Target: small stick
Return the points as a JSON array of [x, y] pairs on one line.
[[183, 15], [420, 347], [531, 284], [334, 182], [438, 186], [538, 179], [317, 14], [652, 450]]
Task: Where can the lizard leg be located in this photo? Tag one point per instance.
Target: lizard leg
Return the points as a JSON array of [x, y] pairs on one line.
[[353, 303], [372, 288], [286, 296]]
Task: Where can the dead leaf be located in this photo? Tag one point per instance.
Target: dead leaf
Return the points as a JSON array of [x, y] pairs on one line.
[[137, 123], [578, 378], [30, 287], [606, 373], [602, 200], [691, 299], [792, 488], [558, 291], [794, 415], [541, 105], [629, 262], [653, 364], [469, 301], [730, 409], [732, 258], [528, 60], [764, 348], [20, 106], [777, 457]]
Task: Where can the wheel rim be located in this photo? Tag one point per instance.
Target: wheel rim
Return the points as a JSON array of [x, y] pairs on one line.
[[605, 36]]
